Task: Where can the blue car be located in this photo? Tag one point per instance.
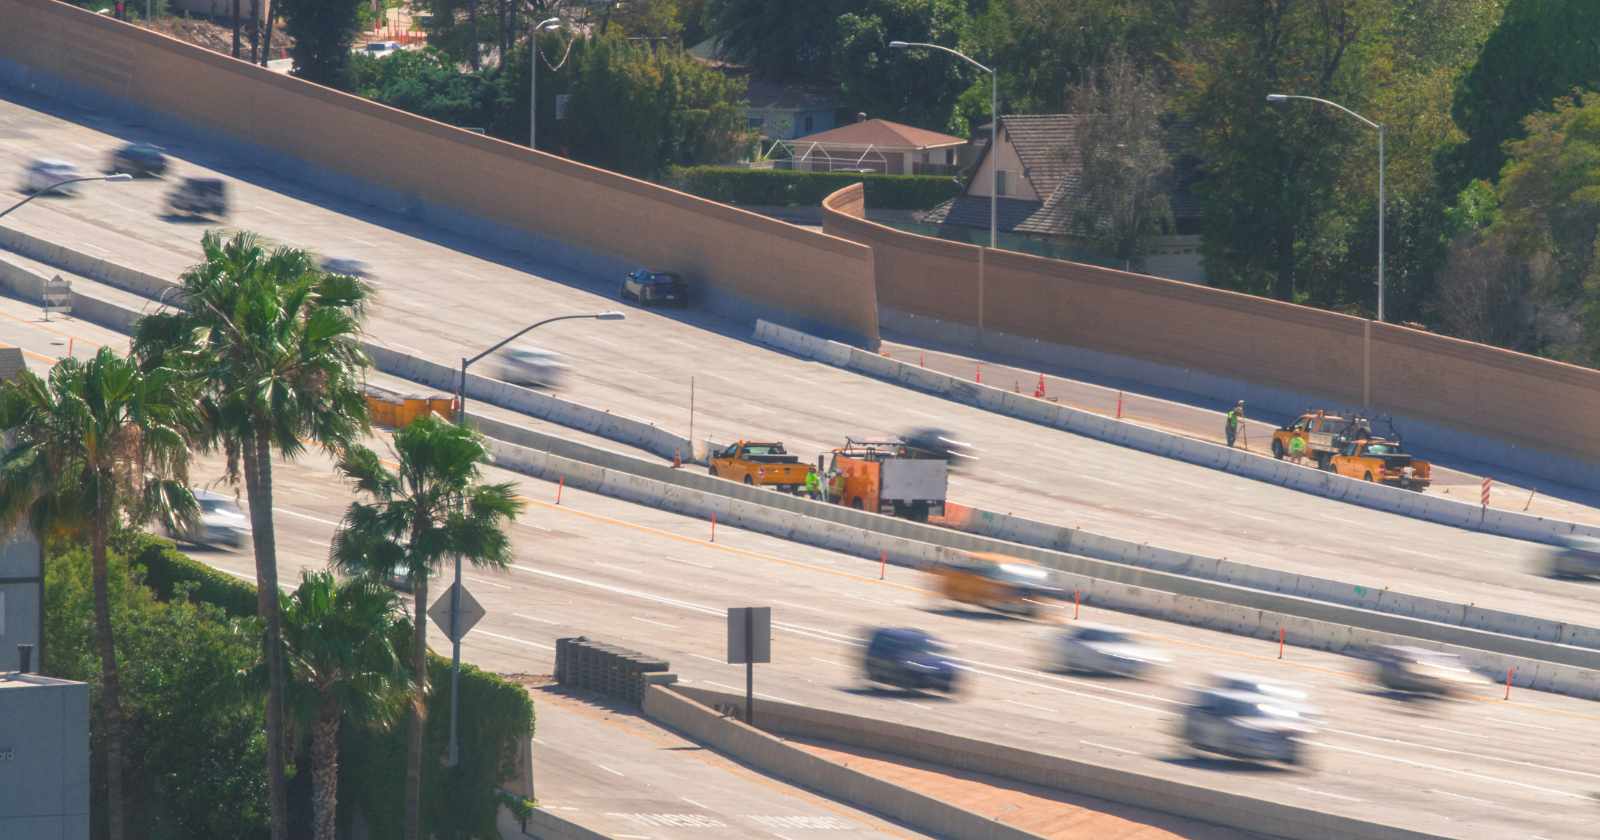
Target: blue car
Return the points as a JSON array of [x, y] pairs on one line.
[[908, 659]]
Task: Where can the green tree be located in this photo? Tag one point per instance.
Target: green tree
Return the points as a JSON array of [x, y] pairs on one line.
[[919, 87], [651, 19], [98, 442], [1541, 50], [338, 641], [323, 31], [270, 343], [194, 741], [779, 40], [432, 506], [427, 83]]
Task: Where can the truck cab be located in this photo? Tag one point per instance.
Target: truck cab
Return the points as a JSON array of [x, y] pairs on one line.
[[892, 477], [1381, 460], [1317, 435]]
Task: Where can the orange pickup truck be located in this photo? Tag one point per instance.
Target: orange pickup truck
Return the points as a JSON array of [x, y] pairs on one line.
[[761, 464], [1381, 460]]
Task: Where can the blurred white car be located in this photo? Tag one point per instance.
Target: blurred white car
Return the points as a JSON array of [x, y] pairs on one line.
[[1576, 557], [42, 174], [380, 49], [1252, 684], [1423, 671], [1243, 725], [1098, 649], [220, 522], [530, 366]]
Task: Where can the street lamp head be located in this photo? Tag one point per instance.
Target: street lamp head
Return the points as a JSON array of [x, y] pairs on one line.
[[1277, 97], [898, 45], [610, 315], [551, 23], [120, 176]]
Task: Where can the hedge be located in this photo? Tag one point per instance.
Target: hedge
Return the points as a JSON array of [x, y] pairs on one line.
[[794, 188], [457, 804]]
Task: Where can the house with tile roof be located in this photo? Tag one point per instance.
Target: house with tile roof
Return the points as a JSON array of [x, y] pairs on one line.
[[1037, 171], [879, 146]]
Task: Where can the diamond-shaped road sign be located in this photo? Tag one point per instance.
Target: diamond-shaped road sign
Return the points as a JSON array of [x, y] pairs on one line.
[[471, 613]]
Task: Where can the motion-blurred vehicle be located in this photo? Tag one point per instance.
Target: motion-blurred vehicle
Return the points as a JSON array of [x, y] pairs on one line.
[[1423, 671], [529, 365], [1381, 460], [1098, 649], [994, 581], [344, 265], [957, 454], [908, 659], [40, 175], [220, 521], [380, 49], [199, 197], [1239, 724], [655, 287], [1318, 435], [762, 464], [140, 160], [1252, 684], [1576, 557], [890, 477]]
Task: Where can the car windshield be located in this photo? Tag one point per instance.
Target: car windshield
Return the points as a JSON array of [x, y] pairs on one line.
[[661, 278], [217, 505], [764, 449], [1095, 634]]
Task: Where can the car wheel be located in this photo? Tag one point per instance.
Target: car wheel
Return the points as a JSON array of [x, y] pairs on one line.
[[748, 480], [713, 472], [856, 503], [1367, 477], [1277, 449]]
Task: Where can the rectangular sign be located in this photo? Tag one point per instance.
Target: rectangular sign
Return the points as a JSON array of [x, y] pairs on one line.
[[749, 635]]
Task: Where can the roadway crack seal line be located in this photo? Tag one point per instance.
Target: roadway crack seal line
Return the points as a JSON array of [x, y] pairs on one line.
[[825, 635]]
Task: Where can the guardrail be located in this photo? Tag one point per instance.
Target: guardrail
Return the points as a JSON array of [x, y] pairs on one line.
[[1158, 442]]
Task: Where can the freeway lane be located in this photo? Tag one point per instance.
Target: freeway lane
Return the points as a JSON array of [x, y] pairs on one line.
[[443, 303], [649, 580]]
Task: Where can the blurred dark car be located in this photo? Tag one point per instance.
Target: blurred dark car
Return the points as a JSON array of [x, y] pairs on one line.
[[1237, 724], [908, 659], [1576, 557], [655, 287], [941, 444], [1423, 671], [141, 160], [199, 197]]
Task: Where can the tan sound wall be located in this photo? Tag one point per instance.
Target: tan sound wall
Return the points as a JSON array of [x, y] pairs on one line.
[[1477, 389], [754, 264]]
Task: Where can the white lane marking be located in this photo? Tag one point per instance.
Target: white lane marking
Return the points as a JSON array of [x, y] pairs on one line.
[[607, 769], [1101, 746], [1473, 754], [758, 694], [614, 566], [1414, 553], [486, 581], [298, 514], [1031, 706], [694, 803], [1528, 725], [708, 658], [824, 661], [1328, 794], [1478, 799], [796, 606], [690, 563], [1447, 731], [533, 526], [536, 618], [316, 542], [1439, 768], [1244, 515], [657, 623], [513, 639]]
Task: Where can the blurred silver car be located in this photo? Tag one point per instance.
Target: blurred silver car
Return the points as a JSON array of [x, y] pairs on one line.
[[1576, 557], [1252, 684], [531, 366], [41, 174], [1243, 725], [1098, 649], [220, 522], [1423, 671]]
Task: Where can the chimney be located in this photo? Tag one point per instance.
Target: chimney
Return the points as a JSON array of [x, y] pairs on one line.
[[24, 658], [861, 116]]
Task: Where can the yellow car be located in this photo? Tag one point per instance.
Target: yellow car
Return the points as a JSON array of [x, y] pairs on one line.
[[994, 581]]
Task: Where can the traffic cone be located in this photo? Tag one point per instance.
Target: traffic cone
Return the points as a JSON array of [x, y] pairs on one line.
[[676, 460], [1039, 391], [1016, 387], [978, 377]]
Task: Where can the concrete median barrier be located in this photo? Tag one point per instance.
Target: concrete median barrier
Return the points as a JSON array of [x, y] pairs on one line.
[[692, 706], [1204, 453]]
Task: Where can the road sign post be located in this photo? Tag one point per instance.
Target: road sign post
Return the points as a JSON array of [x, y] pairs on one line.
[[749, 642], [57, 297], [456, 612]]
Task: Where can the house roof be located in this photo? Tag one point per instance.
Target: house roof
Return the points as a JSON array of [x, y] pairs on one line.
[[883, 134], [1047, 146], [11, 363], [767, 95]]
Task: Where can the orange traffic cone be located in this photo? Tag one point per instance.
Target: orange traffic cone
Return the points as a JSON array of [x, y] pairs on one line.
[[676, 460], [1039, 391]]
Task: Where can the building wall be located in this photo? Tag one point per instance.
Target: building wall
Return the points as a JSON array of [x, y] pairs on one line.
[[19, 596], [44, 759], [1017, 185], [1537, 414], [587, 218]]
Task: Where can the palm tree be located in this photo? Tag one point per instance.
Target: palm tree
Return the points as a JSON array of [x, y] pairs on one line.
[[101, 440], [431, 507], [339, 642], [271, 345]]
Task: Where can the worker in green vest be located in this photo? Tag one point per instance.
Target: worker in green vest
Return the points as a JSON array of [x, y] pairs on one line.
[[1235, 417], [813, 484]]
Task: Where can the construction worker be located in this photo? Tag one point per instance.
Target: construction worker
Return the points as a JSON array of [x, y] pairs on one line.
[[1235, 417], [813, 484], [836, 487]]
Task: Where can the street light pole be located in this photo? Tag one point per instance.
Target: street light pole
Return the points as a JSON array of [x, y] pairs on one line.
[[455, 591], [994, 127], [1382, 131], [533, 84], [119, 176]]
